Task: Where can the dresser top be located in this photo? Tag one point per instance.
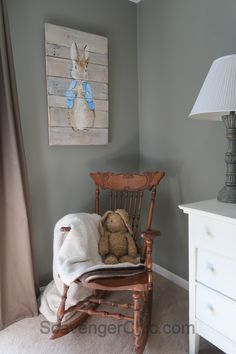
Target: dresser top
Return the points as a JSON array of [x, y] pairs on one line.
[[212, 208]]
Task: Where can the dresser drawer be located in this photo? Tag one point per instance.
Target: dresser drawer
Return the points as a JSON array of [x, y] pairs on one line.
[[212, 234], [216, 310], [217, 272]]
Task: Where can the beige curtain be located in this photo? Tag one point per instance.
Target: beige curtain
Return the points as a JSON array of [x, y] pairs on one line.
[[17, 290]]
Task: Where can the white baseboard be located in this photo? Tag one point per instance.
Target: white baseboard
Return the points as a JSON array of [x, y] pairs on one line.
[[171, 276]]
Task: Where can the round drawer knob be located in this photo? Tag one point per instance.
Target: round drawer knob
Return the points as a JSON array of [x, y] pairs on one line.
[[210, 309], [209, 234], [211, 268]]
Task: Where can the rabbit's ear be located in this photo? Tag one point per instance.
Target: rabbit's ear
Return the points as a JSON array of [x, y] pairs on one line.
[[102, 221], [74, 52], [86, 52]]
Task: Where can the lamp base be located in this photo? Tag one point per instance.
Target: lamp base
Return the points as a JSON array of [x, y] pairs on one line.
[[228, 192], [227, 195]]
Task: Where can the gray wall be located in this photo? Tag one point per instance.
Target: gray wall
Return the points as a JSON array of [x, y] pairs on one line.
[[178, 40], [59, 182]]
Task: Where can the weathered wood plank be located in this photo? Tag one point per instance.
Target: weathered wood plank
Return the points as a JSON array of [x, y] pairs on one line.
[[58, 86], [60, 117], [60, 51], [62, 68], [65, 36], [66, 136], [60, 101]]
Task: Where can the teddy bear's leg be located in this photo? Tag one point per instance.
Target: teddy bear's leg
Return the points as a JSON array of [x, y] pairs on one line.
[[110, 259], [128, 259]]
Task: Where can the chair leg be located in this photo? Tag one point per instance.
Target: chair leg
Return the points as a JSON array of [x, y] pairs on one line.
[[61, 308], [144, 320], [137, 323]]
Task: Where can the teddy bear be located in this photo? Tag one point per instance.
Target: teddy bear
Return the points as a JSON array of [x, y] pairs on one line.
[[116, 243]]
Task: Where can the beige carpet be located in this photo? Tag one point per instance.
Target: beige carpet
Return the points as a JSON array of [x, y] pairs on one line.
[[170, 334]]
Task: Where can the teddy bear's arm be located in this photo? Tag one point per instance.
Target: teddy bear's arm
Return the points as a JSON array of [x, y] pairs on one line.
[[103, 245], [132, 249]]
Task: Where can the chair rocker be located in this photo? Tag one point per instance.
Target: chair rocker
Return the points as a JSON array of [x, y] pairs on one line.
[[122, 191]]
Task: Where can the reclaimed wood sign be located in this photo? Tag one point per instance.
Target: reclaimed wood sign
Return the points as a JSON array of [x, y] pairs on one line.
[[77, 86]]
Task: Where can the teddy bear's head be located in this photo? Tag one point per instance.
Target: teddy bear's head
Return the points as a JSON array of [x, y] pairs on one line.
[[115, 221]]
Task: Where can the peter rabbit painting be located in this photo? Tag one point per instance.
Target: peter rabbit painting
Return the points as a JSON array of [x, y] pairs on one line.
[[77, 86]]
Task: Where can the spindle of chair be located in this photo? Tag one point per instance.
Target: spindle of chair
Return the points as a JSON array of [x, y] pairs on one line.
[[151, 208], [126, 200], [111, 196], [130, 202], [97, 195], [116, 200], [134, 209], [136, 226]]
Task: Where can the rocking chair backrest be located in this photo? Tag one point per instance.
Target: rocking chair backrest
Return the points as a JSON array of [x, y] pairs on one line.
[[126, 191]]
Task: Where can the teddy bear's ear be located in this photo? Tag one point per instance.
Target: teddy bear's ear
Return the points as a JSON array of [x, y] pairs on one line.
[[102, 220], [125, 217]]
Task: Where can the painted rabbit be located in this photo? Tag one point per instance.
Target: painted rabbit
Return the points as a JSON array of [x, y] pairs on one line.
[[79, 94]]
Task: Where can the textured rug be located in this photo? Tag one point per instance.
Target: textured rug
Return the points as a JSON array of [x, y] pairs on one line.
[[169, 331]]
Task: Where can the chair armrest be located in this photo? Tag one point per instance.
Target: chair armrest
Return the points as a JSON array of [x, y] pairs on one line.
[[150, 234], [146, 253]]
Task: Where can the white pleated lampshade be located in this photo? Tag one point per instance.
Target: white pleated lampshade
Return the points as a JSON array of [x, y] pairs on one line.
[[218, 93]]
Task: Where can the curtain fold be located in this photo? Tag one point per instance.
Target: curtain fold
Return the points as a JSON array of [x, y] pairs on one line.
[[17, 289]]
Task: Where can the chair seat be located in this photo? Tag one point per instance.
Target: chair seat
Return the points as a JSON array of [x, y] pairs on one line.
[[102, 274]]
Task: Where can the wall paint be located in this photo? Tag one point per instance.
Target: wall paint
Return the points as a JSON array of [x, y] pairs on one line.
[[178, 40], [59, 181]]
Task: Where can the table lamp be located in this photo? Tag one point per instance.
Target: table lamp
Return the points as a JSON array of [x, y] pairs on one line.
[[217, 101]]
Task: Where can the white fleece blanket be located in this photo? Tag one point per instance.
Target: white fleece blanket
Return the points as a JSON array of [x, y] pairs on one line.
[[74, 253]]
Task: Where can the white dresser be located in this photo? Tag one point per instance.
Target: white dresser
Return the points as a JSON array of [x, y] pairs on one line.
[[212, 274]]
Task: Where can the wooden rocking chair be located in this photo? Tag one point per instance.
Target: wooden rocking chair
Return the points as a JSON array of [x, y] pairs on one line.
[[123, 191]]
